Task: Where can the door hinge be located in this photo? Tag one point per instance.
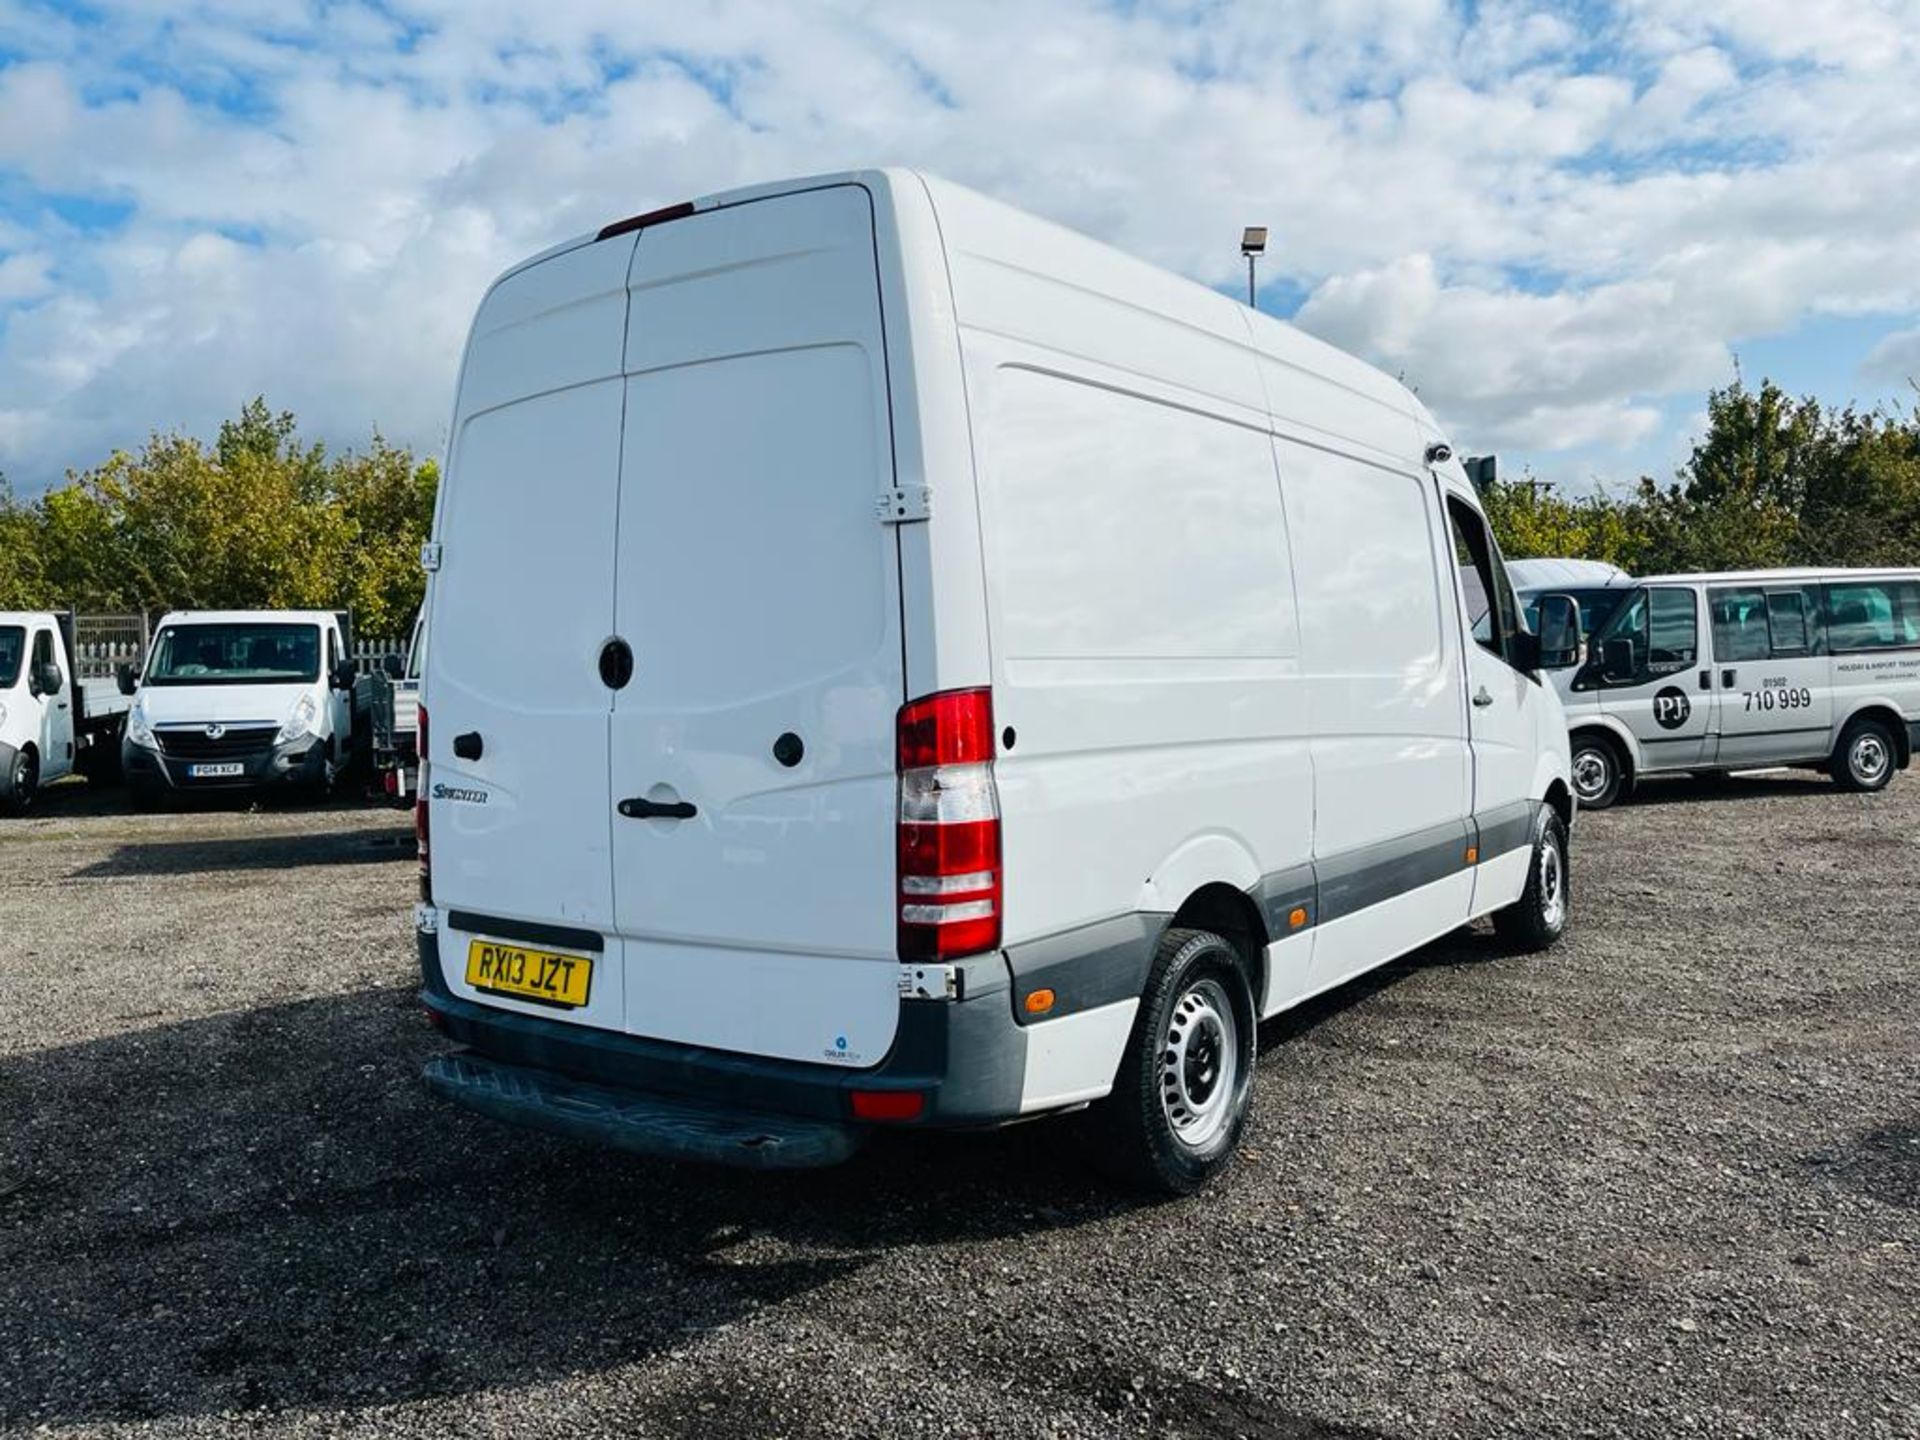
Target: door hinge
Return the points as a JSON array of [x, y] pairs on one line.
[[430, 556], [903, 504]]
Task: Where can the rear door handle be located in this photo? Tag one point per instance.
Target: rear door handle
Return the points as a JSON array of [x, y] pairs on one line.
[[468, 746], [1482, 697], [642, 809]]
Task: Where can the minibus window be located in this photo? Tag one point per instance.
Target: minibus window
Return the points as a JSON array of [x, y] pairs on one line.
[[1787, 621], [13, 645], [1739, 625], [1873, 615]]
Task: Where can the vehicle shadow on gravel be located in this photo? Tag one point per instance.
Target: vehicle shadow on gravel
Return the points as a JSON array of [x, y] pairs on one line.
[[252, 852], [1704, 789], [267, 1209]]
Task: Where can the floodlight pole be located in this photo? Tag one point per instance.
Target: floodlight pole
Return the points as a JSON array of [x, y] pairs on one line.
[[1253, 243]]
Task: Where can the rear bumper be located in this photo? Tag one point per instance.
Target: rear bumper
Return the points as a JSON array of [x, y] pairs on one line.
[[301, 762], [965, 1058], [629, 1120]]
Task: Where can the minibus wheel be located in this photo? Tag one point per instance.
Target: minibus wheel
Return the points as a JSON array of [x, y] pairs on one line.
[[1538, 919], [1864, 758], [1598, 771], [1185, 1084]]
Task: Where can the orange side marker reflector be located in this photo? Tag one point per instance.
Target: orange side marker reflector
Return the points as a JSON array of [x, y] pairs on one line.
[[1473, 855], [1039, 1002], [1298, 917]]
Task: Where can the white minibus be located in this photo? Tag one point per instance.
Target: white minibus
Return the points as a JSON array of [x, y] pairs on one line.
[[898, 662], [1748, 670]]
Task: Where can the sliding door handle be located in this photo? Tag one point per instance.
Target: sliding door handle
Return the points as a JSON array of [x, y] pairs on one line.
[[638, 808], [1482, 697]]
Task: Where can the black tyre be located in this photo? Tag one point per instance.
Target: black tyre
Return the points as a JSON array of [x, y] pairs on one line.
[[1599, 770], [22, 783], [1185, 1084], [1538, 919], [1865, 758]]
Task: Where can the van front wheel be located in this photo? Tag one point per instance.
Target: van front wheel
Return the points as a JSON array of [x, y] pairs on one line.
[[1185, 1084], [1538, 919], [22, 783], [1597, 771]]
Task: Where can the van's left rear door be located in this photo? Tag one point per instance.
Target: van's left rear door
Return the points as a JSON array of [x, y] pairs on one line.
[[522, 605]]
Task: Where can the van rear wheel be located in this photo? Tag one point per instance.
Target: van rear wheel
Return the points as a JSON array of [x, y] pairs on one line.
[[1185, 1084], [1538, 919], [1864, 759]]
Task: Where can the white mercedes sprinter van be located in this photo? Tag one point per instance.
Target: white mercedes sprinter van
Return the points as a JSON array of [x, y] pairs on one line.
[[1741, 670], [240, 699], [899, 662]]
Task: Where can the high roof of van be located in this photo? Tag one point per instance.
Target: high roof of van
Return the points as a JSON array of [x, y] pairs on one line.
[[1788, 575], [972, 221]]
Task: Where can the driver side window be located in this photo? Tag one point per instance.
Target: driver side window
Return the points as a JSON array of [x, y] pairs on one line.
[[1493, 615], [1655, 634]]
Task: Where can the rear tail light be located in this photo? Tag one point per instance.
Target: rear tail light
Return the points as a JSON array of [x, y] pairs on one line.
[[949, 827], [420, 813]]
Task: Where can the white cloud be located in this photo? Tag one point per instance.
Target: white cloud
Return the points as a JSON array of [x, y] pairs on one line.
[[1550, 230], [1896, 359]]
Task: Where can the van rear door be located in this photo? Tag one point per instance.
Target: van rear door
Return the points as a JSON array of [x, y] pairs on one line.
[[752, 753], [523, 603]]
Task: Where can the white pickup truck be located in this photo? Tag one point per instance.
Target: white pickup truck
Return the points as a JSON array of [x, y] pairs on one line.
[[54, 718]]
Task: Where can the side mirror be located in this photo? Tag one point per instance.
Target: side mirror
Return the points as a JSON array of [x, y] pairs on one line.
[[46, 679], [344, 674], [395, 667], [127, 679], [1616, 658], [1559, 631]]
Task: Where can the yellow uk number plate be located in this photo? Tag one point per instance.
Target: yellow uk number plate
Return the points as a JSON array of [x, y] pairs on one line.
[[545, 976]]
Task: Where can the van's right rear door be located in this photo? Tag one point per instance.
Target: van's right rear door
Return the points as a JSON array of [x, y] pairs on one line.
[[752, 754]]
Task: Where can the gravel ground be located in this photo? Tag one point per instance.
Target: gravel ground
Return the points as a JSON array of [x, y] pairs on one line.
[[1663, 1182]]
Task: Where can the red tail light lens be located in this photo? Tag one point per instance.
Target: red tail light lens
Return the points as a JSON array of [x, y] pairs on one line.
[[420, 812], [888, 1104], [949, 827]]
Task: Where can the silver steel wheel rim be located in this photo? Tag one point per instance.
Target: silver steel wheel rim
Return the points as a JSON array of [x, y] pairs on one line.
[[1200, 1064], [1553, 885], [1868, 758], [1590, 773]]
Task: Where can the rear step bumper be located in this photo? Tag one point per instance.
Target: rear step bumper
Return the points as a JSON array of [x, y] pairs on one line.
[[966, 1058], [645, 1124]]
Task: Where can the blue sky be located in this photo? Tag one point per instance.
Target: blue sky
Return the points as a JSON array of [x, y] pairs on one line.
[[1561, 224]]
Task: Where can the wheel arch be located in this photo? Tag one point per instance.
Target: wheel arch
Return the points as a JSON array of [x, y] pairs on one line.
[[1230, 913], [1888, 714]]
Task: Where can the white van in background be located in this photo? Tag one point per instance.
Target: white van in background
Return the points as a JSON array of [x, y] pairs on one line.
[[241, 699], [54, 720], [1750, 669], [899, 662]]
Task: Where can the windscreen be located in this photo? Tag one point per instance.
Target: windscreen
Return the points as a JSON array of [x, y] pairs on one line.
[[13, 645], [242, 652], [1596, 604]]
